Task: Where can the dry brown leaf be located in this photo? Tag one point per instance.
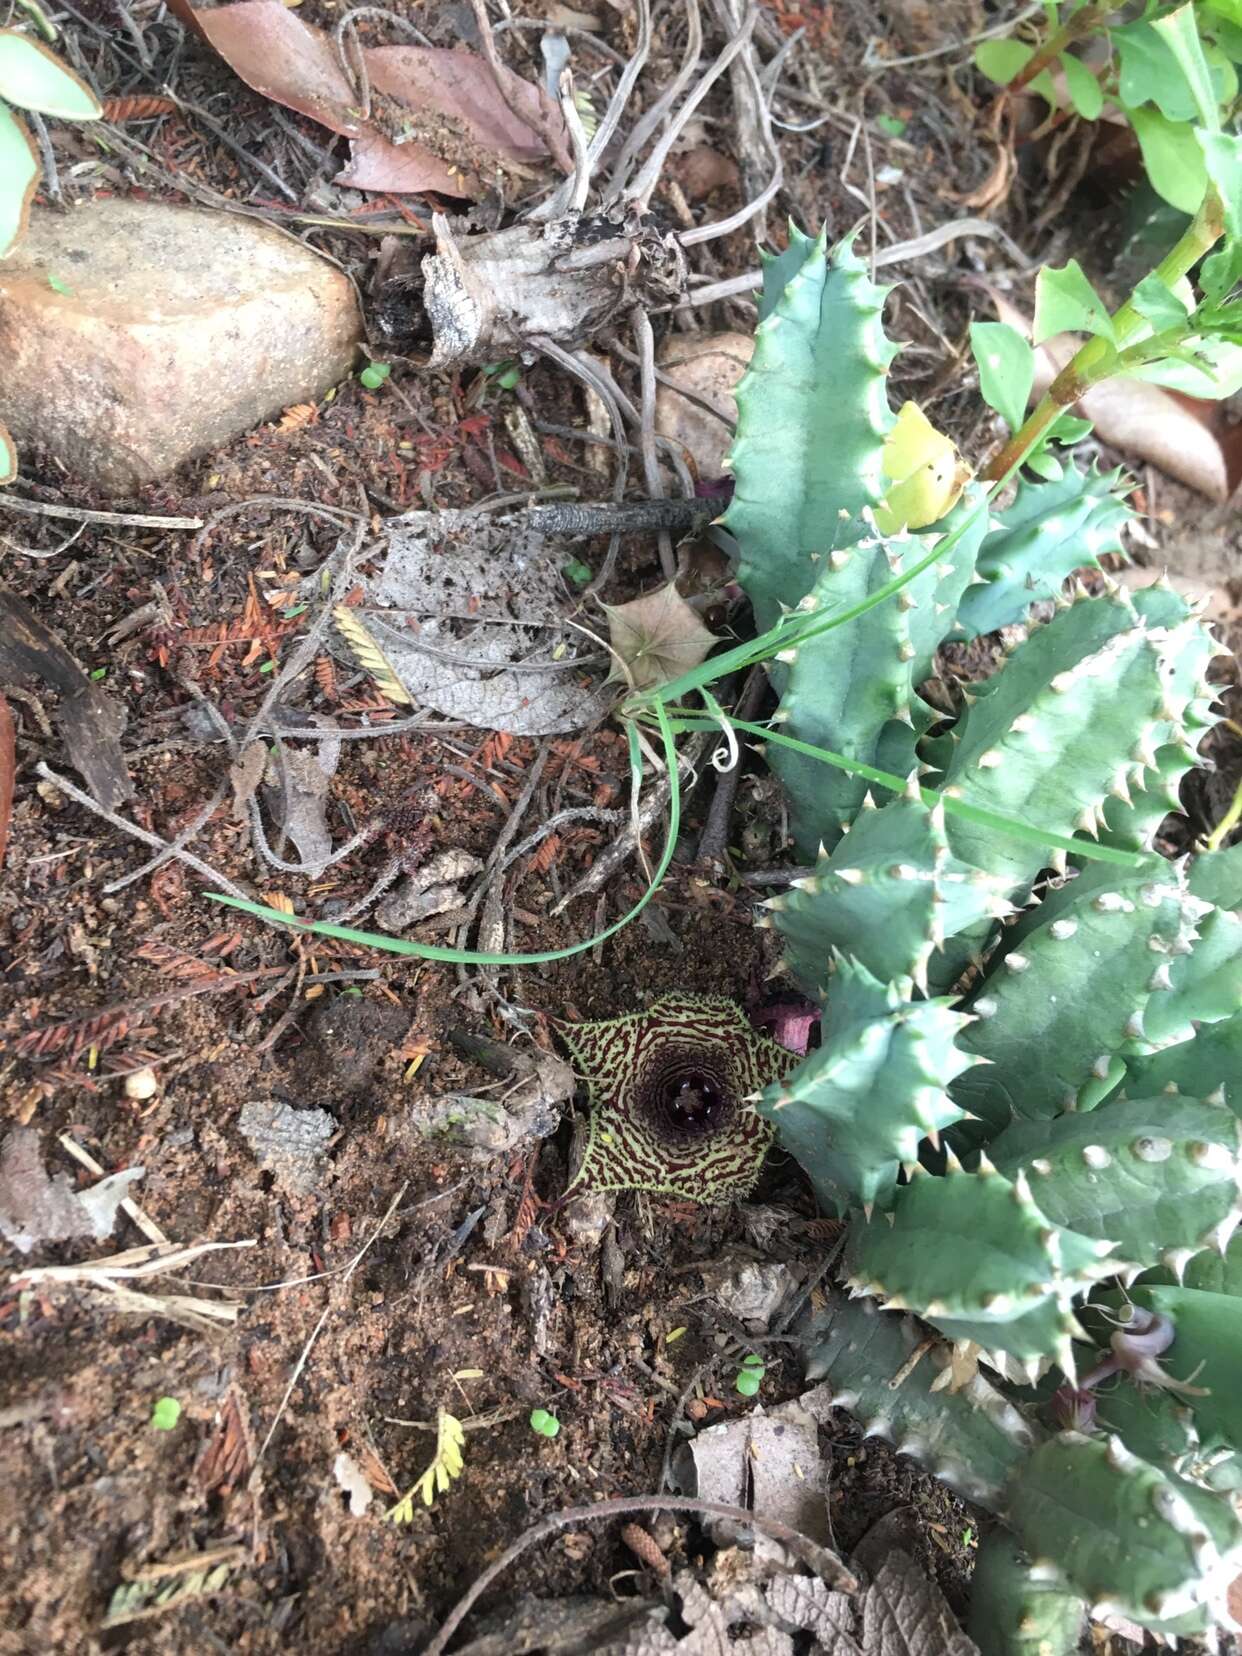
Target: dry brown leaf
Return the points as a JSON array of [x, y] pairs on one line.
[[297, 416], [228, 1455], [545, 856], [658, 637], [90, 720], [284, 59], [140, 107], [1187, 437], [375, 164]]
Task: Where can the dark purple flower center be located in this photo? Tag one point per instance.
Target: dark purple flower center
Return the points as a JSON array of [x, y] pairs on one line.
[[684, 1098]]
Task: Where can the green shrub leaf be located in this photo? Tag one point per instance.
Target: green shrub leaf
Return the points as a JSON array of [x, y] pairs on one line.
[[1171, 156], [1065, 302], [1001, 60], [1222, 151], [1158, 304], [1149, 72], [1180, 33], [19, 176], [1006, 369], [34, 78], [1084, 90]]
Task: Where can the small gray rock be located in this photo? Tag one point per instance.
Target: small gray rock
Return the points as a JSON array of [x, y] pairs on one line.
[[754, 1293], [287, 1143]]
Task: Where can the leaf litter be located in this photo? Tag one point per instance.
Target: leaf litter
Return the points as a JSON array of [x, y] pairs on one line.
[[470, 613], [437, 118], [36, 1206]]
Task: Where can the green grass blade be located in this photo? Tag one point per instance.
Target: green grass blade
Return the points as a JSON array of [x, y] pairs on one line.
[[474, 957], [1085, 848]]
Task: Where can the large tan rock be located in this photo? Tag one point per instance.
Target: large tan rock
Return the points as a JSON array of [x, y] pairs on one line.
[[135, 335], [709, 366]]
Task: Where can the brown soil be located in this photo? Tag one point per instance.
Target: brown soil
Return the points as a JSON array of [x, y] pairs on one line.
[[475, 1296]]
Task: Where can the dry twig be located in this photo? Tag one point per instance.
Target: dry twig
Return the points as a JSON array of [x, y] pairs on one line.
[[825, 1563]]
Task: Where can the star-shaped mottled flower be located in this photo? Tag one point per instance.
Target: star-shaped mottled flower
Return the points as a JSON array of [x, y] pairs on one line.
[[669, 1092]]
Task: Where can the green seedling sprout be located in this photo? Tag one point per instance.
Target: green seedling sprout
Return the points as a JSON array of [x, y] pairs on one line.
[[165, 1414], [750, 1375], [544, 1422]]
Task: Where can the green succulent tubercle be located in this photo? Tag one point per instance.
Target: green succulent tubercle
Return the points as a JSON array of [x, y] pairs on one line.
[[1027, 1099]]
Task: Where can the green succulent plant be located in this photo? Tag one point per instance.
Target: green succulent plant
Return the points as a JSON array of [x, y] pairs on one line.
[[1027, 1097], [31, 78]]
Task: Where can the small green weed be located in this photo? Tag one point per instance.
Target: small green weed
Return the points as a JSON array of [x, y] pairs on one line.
[[165, 1414], [750, 1375]]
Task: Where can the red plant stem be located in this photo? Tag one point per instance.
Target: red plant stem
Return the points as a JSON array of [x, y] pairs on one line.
[[1098, 359], [1082, 24]]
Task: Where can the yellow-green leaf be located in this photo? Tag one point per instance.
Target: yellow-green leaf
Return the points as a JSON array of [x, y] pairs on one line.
[[369, 656], [32, 77], [19, 175], [445, 1466], [926, 472], [8, 456]]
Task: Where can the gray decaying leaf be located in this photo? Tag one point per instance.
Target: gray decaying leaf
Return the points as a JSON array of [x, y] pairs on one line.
[[36, 1208], [90, 720], [494, 295], [658, 637], [298, 799], [288, 1143], [467, 610], [245, 774], [711, 1620], [905, 1614], [768, 1462], [811, 1606], [431, 889]]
